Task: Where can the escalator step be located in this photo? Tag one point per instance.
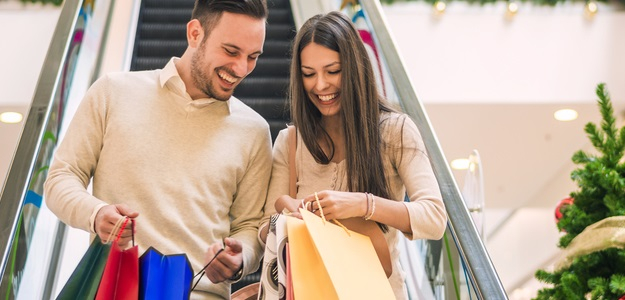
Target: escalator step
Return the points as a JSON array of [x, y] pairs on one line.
[[262, 87], [163, 31], [160, 48], [271, 67], [173, 15], [273, 4], [159, 30], [280, 32], [169, 4], [182, 15], [270, 108], [150, 63], [276, 48], [280, 16]]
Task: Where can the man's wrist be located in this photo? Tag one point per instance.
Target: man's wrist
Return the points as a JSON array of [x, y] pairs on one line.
[[237, 275]]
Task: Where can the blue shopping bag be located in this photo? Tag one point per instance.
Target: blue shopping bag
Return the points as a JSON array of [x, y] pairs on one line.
[[164, 276]]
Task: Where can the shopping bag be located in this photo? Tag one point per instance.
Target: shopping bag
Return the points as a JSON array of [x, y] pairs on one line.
[[332, 262], [120, 279], [164, 276], [289, 275], [273, 273], [84, 281]]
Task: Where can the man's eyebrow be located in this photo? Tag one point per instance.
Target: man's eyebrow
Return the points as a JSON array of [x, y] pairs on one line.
[[259, 52]]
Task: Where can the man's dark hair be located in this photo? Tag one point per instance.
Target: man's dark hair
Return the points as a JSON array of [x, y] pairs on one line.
[[208, 12]]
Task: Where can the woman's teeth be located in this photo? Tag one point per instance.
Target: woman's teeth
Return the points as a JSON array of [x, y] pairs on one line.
[[327, 97]]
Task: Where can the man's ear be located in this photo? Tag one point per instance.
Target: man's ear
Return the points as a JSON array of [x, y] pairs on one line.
[[195, 33]]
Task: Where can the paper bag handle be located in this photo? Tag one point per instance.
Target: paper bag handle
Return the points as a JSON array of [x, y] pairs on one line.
[[323, 217], [118, 228]]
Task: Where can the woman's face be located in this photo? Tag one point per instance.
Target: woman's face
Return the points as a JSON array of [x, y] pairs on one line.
[[321, 75]]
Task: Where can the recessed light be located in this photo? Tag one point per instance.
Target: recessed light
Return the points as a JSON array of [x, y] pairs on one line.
[[565, 115], [10, 117], [460, 164]]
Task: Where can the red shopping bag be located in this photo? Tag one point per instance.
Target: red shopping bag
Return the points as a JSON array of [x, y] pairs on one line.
[[289, 278], [120, 279]]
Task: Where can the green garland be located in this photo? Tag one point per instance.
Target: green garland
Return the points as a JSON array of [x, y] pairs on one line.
[[481, 2], [53, 2]]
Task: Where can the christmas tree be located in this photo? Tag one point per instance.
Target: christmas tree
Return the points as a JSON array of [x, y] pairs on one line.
[[592, 265]]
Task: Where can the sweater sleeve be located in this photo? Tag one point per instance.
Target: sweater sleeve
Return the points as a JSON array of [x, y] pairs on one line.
[[75, 161], [428, 217], [279, 183], [246, 210]]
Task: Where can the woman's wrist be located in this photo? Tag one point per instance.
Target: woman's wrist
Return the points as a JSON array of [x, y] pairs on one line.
[[365, 205]]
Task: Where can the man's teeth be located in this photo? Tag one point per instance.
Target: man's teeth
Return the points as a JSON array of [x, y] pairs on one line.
[[227, 77], [327, 97]]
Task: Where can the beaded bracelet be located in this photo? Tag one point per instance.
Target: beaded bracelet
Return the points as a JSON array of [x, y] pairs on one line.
[[366, 200], [372, 208]]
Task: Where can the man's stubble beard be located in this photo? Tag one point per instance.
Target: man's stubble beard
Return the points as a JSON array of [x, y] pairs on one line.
[[201, 80]]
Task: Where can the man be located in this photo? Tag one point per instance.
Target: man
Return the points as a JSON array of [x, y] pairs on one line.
[[173, 149]]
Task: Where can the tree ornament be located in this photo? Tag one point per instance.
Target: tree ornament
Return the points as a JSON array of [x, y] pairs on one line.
[[562, 204]]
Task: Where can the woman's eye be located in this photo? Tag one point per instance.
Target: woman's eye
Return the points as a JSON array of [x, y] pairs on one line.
[[307, 75], [335, 72]]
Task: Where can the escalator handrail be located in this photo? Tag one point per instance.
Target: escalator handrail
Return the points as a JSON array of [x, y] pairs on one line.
[[480, 268], [26, 153]]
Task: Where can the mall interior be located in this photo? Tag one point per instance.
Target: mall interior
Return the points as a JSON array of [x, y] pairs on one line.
[[501, 92]]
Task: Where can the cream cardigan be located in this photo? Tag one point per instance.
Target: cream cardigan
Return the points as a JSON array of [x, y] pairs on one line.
[[406, 166]]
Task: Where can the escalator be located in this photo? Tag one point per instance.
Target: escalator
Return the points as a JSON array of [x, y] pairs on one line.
[[457, 267]]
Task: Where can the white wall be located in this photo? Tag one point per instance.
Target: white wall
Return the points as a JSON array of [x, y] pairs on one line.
[[473, 54], [25, 34]]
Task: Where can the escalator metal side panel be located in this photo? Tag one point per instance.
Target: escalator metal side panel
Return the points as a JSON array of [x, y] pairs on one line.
[[34, 150]]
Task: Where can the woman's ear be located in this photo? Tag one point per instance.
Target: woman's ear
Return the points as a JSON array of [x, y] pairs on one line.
[[195, 33]]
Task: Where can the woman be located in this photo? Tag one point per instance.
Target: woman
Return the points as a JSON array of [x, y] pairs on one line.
[[354, 152]]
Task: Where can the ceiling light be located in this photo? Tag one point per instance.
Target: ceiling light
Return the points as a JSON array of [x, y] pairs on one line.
[[460, 164], [439, 6], [565, 115], [10, 117], [512, 8], [591, 8]]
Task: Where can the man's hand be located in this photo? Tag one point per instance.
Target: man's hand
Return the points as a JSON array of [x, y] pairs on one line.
[[227, 263], [107, 217]]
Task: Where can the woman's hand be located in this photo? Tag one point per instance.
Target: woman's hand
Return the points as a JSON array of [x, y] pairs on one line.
[[338, 205], [288, 203]]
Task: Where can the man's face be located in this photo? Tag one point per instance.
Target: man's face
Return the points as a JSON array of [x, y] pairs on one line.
[[227, 55]]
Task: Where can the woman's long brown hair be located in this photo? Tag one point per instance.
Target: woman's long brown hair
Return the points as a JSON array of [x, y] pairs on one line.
[[361, 103]]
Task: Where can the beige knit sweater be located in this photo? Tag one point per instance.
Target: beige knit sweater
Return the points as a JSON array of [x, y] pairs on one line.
[[196, 170]]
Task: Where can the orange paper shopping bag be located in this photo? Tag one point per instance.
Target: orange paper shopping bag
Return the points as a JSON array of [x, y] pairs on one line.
[[328, 261]]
